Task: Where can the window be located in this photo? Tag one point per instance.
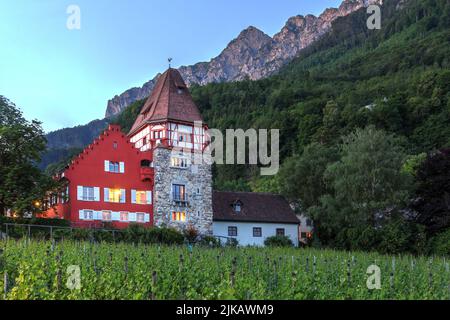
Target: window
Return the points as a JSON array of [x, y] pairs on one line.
[[308, 222], [124, 216], [157, 134], [237, 207], [179, 216], [184, 137], [280, 232], [88, 194], [140, 217], [232, 231], [141, 197], [115, 195], [179, 162], [114, 167], [115, 145], [88, 215], [106, 215], [179, 192], [146, 164], [257, 232]]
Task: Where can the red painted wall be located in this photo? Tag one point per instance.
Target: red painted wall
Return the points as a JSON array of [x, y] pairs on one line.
[[88, 170]]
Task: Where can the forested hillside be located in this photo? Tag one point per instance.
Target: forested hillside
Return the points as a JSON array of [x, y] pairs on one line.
[[364, 118], [396, 78]]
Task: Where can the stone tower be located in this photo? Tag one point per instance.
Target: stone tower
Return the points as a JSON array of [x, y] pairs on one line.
[[171, 128]]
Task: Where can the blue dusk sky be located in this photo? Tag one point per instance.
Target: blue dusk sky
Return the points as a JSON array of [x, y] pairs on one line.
[[65, 77]]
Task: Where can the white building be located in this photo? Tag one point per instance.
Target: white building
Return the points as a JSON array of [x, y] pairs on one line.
[[251, 218]]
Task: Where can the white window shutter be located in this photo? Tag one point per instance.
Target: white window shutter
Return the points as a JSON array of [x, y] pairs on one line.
[[133, 196], [97, 194], [106, 194], [79, 193], [115, 216], [132, 217], [149, 197], [122, 167], [106, 165], [147, 218], [81, 214], [123, 196]]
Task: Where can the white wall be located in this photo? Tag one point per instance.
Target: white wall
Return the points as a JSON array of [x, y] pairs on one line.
[[304, 227], [245, 231]]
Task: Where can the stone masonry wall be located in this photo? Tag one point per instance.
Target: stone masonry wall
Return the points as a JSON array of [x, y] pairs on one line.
[[198, 181]]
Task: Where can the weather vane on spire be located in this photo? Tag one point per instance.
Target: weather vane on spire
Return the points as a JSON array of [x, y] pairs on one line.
[[170, 62]]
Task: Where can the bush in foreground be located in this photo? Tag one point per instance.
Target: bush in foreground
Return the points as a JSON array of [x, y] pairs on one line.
[[278, 241]]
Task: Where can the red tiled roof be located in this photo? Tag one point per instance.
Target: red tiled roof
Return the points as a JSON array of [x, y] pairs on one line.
[[170, 100], [255, 207]]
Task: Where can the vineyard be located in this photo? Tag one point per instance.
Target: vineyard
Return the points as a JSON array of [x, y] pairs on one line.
[[45, 270]]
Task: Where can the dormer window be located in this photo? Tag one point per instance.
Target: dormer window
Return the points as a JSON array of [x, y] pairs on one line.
[[237, 207]]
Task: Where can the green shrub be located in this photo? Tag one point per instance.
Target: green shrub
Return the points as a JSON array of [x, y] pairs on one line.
[[278, 241], [209, 241], [440, 244], [232, 242]]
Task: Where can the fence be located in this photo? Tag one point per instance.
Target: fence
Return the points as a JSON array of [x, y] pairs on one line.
[[9, 230]]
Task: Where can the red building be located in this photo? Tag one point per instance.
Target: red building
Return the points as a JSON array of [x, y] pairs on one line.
[[110, 181], [113, 179]]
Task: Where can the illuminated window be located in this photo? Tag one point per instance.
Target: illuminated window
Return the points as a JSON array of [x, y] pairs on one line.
[[143, 197], [115, 195], [140, 217], [124, 216], [179, 216], [106, 215], [179, 162], [179, 192]]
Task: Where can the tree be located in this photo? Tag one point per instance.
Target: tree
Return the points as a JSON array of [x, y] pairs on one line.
[[301, 177], [368, 178], [22, 185], [367, 189], [433, 192]]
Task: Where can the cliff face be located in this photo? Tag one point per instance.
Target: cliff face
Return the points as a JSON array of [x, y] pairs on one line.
[[253, 54]]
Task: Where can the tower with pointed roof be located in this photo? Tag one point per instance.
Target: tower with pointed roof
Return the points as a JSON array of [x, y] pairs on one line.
[[171, 127]]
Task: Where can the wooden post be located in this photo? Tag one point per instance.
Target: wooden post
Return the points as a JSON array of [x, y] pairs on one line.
[[5, 285], [232, 274], [154, 281], [58, 279], [51, 233], [126, 265], [29, 232]]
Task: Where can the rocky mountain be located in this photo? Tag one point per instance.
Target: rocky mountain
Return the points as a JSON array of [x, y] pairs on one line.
[[253, 54]]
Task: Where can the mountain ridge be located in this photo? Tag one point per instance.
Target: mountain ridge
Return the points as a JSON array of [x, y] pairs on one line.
[[253, 54]]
